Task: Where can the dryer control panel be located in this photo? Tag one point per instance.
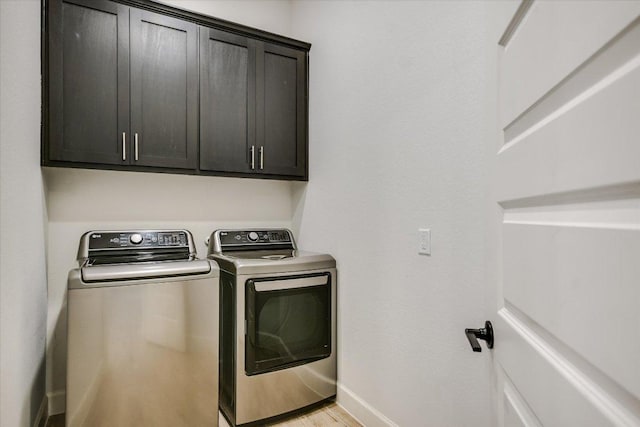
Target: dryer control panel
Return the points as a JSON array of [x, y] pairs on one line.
[[254, 236], [252, 239]]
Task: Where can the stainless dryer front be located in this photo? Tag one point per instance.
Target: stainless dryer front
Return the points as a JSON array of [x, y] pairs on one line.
[[278, 324]]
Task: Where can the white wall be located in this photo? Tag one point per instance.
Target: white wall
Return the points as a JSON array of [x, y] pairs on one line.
[[81, 200], [23, 289], [267, 15], [401, 97]]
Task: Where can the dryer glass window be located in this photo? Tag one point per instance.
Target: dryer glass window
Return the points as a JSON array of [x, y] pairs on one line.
[[288, 321]]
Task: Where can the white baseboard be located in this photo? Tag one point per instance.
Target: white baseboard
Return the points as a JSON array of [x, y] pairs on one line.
[[353, 404], [42, 412], [57, 401], [361, 410]]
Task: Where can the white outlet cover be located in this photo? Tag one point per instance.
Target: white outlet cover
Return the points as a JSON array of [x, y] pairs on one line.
[[424, 241]]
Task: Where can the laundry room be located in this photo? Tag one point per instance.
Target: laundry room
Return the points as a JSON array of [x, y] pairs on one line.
[[448, 168]]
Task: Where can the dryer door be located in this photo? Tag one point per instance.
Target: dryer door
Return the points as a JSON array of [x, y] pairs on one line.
[[288, 321]]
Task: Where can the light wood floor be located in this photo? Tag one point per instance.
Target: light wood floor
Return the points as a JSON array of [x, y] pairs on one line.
[[328, 415]]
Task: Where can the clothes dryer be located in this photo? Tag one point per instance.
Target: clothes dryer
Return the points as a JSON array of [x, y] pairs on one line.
[[278, 324]]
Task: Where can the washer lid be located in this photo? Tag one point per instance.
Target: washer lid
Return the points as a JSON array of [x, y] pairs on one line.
[[152, 270], [142, 273]]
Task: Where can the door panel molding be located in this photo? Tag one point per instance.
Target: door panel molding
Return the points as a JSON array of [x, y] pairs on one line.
[[554, 39], [545, 369], [612, 214], [563, 283], [515, 22], [516, 409], [621, 191], [571, 152], [609, 64]]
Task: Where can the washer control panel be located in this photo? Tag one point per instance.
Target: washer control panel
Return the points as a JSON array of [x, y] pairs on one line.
[[254, 237], [131, 239]]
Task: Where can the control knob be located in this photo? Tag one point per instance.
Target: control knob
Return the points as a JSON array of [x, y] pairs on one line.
[[136, 238], [253, 236]]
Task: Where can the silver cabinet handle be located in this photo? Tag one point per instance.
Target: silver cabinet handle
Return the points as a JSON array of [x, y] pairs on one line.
[[261, 158], [253, 157], [124, 146], [135, 146]]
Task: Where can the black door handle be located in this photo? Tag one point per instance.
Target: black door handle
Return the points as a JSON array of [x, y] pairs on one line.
[[485, 333]]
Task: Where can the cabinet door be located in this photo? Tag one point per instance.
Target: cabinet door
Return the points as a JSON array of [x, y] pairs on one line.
[[227, 102], [164, 91], [88, 81], [282, 110]]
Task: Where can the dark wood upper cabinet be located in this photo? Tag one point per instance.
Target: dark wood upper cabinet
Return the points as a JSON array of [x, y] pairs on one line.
[[88, 81], [253, 106], [227, 101], [282, 110], [164, 90], [138, 85]]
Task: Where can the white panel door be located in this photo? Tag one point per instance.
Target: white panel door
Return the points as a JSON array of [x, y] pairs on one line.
[[566, 201]]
